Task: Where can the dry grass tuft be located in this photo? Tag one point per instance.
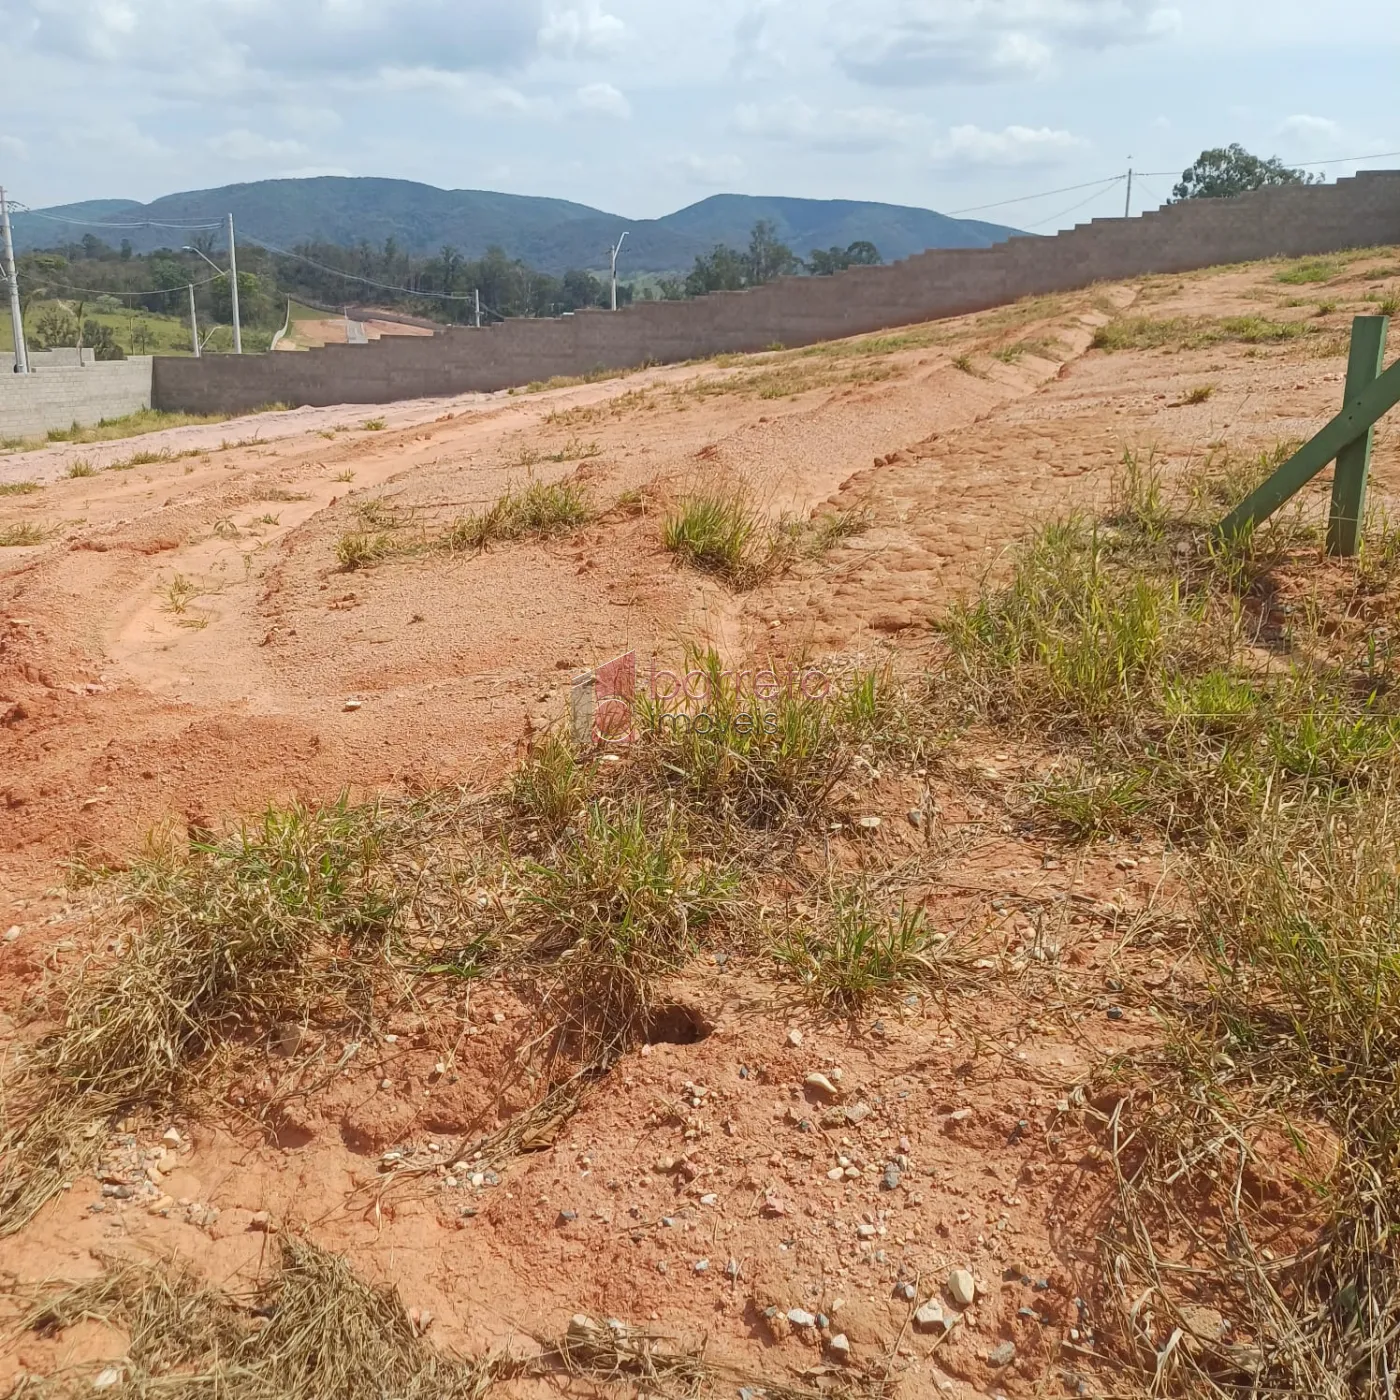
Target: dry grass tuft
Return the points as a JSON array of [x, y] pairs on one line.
[[290, 919], [315, 1331]]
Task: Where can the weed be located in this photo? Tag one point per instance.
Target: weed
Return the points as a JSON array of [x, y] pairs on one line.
[[1009, 354], [19, 488], [312, 1331], [551, 785], [1308, 271], [346, 475], [964, 363], [145, 420], [284, 920], [617, 904], [1184, 333], [575, 450], [1388, 305], [851, 952], [266, 519], [537, 510], [358, 549], [1202, 393], [21, 533], [831, 527], [276, 493], [80, 467], [720, 535], [374, 425], [751, 747]]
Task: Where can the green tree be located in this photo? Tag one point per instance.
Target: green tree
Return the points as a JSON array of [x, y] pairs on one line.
[[1227, 171], [723, 269], [769, 257], [825, 261], [255, 303], [103, 341], [581, 288], [54, 326]]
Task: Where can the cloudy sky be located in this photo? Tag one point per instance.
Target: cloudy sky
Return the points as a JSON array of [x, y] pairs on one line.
[[642, 106]]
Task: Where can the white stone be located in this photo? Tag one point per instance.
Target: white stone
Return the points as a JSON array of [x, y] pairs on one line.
[[962, 1288]]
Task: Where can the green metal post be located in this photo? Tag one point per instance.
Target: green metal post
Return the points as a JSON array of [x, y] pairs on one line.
[[1354, 460], [1349, 426]]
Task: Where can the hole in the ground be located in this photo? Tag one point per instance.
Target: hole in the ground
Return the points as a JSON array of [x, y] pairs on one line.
[[676, 1024]]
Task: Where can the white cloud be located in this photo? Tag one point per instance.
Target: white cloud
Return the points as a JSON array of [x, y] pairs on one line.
[[13, 146], [250, 39], [919, 42], [242, 144], [470, 92], [604, 99], [586, 30], [1310, 130], [848, 130], [1013, 146], [709, 170]]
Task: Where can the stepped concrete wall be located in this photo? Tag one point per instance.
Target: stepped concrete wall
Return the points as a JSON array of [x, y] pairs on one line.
[[1291, 221]]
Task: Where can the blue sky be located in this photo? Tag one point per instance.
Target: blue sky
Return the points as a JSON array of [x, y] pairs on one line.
[[642, 106]]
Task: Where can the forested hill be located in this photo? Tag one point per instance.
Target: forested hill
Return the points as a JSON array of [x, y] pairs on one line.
[[549, 234]]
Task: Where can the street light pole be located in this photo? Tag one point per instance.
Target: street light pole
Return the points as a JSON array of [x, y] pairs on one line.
[[617, 248], [233, 289], [194, 324], [16, 313]]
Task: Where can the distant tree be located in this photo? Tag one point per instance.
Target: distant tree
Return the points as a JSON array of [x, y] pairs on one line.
[[824, 262], [1227, 171], [723, 269], [581, 288], [450, 260], [671, 288], [103, 341], [54, 326], [255, 304], [769, 257], [126, 250]]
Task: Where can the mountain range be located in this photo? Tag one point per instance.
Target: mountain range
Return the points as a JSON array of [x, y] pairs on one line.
[[552, 235]]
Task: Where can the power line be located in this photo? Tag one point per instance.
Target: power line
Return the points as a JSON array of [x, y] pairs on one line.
[[1024, 198], [104, 223], [108, 292], [1118, 180], [350, 276], [1302, 164]]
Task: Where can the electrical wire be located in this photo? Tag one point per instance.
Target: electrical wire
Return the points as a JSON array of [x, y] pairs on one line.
[[21, 208], [350, 276], [1055, 217], [108, 292], [1025, 198]]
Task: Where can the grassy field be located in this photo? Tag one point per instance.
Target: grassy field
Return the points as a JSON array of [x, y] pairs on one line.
[[143, 332]]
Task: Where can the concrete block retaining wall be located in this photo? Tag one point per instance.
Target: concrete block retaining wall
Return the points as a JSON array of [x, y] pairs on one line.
[[1293, 221], [57, 395]]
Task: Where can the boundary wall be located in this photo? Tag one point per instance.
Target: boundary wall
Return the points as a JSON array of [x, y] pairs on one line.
[[1288, 221], [59, 392]]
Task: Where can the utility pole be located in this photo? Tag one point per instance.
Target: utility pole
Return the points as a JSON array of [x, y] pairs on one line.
[[615, 251], [476, 295], [233, 289], [16, 313], [1128, 203], [194, 324]]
